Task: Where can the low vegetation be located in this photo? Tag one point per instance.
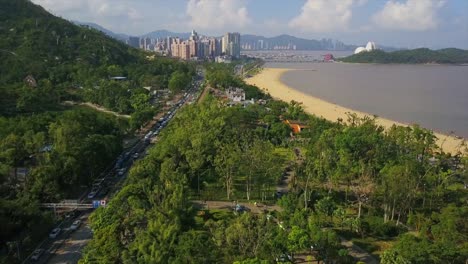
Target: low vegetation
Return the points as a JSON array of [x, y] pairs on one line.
[[415, 56]]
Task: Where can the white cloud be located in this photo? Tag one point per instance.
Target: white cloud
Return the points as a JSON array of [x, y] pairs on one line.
[[62, 6], [325, 15], [94, 8], [412, 15], [217, 14]]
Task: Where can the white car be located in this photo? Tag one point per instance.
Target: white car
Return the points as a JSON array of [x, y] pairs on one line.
[[93, 192], [75, 225], [55, 232], [37, 254], [122, 171], [98, 181]]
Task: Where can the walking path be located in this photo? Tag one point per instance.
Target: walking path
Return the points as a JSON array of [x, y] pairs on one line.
[[204, 94], [358, 253], [256, 209], [283, 187], [96, 107]]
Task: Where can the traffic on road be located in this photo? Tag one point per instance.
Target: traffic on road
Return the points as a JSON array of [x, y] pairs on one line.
[[65, 242]]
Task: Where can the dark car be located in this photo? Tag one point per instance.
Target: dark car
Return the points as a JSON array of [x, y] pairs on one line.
[[241, 209], [284, 258]]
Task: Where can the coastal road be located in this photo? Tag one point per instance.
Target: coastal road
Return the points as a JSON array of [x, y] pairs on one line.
[[70, 250]]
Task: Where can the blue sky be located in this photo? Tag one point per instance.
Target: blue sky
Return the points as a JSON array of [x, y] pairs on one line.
[[401, 23]]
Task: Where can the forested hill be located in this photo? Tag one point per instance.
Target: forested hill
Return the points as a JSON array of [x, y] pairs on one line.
[[415, 56], [59, 56], [37, 43]]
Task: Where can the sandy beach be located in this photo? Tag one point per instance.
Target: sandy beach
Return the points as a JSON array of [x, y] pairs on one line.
[[269, 80]]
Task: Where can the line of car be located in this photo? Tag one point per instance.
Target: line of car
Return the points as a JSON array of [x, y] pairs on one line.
[[120, 169], [55, 233], [99, 186]]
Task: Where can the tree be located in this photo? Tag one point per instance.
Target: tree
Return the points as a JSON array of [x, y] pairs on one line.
[[392, 257], [178, 81], [340, 213], [140, 101], [196, 247], [227, 162], [326, 206], [252, 261], [259, 162], [363, 189], [298, 239]]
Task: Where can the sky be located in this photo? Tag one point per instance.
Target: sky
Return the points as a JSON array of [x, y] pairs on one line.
[[398, 23]]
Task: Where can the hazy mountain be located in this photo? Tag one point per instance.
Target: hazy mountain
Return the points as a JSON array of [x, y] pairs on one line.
[[254, 41], [261, 42], [118, 36], [165, 33]]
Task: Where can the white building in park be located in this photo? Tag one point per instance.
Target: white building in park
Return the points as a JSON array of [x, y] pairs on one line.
[[369, 47], [235, 94]]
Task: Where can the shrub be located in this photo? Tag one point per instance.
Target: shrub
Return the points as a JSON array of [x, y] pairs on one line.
[[375, 226]]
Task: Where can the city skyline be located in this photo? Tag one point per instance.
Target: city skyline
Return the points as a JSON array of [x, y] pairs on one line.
[[195, 47], [400, 23]]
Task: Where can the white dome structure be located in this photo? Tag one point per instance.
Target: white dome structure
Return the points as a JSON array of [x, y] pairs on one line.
[[359, 50], [371, 46]]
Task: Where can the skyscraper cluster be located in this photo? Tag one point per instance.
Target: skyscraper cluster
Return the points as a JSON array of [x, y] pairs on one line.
[[196, 47], [231, 45]]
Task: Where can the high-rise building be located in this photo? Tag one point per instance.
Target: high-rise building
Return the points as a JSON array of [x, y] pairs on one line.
[[194, 36], [231, 44], [260, 44], [185, 50], [193, 48], [175, 47], [168, 44], [215, 47]]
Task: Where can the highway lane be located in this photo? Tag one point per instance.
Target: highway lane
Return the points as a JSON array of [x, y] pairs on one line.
[[68, 248]]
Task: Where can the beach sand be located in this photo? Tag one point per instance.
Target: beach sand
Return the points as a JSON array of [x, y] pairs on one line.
[[269, 80]]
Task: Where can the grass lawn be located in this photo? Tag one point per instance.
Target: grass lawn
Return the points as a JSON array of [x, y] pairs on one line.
[[285, 153]]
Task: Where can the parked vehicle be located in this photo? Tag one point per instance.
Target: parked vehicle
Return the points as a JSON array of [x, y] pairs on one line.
[[93, 191], [98, 182], [75, 225], [240, 208], [37, 254], [122, 171], [55, 232], [284, 258], [71, 214]]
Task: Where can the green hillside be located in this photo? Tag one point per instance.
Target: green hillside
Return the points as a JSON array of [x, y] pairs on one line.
[[415, 56], [33, 42], [60, 55], [44, 61]]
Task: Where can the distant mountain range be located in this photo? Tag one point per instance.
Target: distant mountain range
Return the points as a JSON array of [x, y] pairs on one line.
[[164, 34], [252, 42], [284, 41], [118, 36]]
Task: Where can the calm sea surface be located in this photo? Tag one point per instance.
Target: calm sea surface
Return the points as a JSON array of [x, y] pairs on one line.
[[434, 96]]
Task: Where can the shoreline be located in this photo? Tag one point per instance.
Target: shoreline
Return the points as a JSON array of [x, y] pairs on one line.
[[269, 81]]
